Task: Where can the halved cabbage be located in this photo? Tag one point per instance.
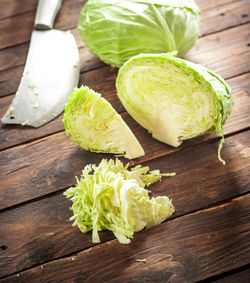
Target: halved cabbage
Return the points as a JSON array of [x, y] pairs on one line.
[[116, 30], [173, 98], [92, 123], [112, 197]]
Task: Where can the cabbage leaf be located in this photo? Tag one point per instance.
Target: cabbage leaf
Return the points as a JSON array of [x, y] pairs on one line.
[[116, 30], [112, 197]]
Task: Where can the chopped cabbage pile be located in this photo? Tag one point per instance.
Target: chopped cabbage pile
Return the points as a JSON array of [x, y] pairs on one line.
[[112, 197]]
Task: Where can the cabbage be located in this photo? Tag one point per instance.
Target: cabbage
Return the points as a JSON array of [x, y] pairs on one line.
[[116, 30], [111, 197], [174, 99], [92, 123]]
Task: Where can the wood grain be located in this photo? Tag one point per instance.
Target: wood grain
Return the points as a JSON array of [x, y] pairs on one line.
[[17, 29], [40, 231], [185, 249], [12, 8], [223, 16], [226, 53], [43, 162]]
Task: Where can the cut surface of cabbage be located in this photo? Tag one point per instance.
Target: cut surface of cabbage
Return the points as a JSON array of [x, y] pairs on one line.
[[92, 123], [172, 98]]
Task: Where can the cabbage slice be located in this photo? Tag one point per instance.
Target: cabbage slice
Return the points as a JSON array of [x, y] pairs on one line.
[[112, 197], [92, 123], [173, 98]]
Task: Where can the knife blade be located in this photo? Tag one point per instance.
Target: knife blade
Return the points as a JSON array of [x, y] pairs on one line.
[[50, 74]]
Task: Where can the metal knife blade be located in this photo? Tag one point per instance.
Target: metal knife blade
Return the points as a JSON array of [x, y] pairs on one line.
[[50, 74]]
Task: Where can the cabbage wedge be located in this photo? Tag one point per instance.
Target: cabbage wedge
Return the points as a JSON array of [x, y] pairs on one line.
[[174, 99], [116, 30], [93, 124], [112, 197]]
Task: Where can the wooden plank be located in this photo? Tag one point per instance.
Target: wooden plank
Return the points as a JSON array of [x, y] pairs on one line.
[[241, 277], [220, 16], [17, 30], [226, 53], [43, 162], [186, 249], [40, 231], [226, 16], [12, 8]]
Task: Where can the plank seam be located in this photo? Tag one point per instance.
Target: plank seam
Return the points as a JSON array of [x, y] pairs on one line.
[[220, 5], [225, 274], [18, 15], [222, 30]]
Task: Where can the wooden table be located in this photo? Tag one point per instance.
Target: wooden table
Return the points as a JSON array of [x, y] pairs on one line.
[[208, 236]]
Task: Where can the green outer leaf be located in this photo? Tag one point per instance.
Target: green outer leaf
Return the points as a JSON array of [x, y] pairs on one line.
[[93, 123], [215, 83], [117, 30]]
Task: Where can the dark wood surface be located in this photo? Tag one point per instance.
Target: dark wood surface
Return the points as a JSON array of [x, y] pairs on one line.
[[208, 237]]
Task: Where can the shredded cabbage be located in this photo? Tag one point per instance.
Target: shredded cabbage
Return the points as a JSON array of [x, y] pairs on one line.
[[112, 197]]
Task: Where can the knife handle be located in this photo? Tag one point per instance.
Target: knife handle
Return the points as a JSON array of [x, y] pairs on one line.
[[46, 13]]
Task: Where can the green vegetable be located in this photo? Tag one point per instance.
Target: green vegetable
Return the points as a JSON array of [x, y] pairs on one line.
[[111, 197], [116, 30], [173, 98], [10, 110], [92, 123], [36, 105]]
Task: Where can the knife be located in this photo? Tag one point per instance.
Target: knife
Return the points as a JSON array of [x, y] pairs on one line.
[[50, 74]]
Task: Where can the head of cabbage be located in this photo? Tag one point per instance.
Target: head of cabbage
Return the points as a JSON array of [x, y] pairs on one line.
[[116, 30], [172, 98]]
